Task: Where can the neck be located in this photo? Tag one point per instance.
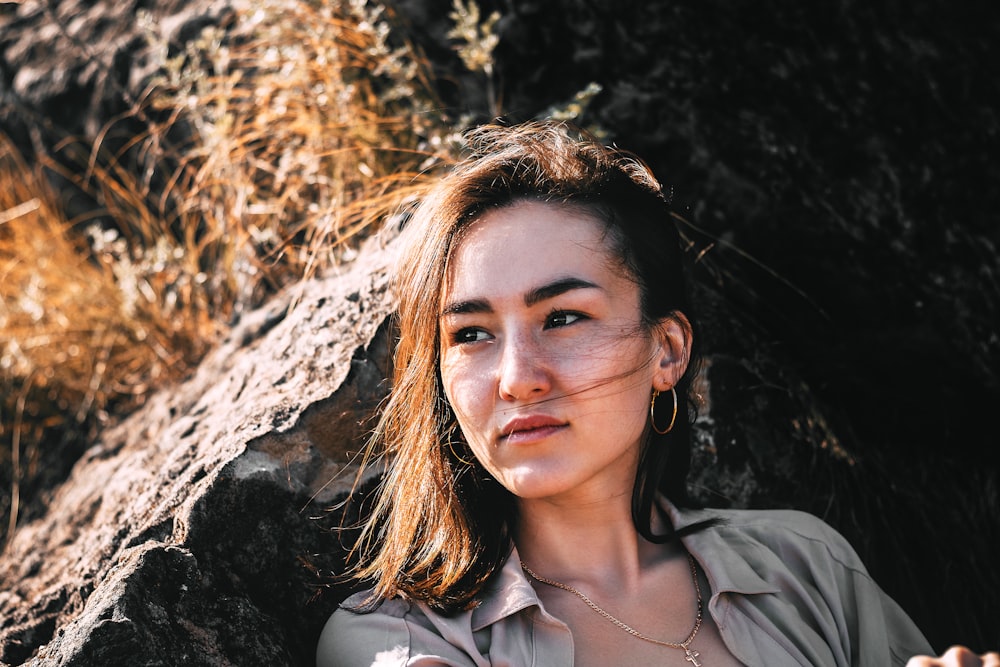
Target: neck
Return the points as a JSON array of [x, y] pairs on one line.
[[591, 543]]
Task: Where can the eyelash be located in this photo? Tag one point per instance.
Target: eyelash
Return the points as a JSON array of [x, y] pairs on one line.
[[461, 337], [458, 337], [563, 313]]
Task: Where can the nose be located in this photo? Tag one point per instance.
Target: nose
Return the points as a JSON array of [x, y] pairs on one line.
[[523, 371]]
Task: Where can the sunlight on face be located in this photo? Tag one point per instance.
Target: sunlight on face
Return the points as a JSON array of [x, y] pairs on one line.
[[543, 356]]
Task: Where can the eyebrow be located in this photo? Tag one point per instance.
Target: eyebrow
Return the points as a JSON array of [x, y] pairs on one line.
[[531, 298]]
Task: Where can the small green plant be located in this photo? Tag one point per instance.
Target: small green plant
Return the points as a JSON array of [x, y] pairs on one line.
[[575, 106]]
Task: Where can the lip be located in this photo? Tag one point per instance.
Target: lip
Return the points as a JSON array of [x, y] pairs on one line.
[[528, 428]]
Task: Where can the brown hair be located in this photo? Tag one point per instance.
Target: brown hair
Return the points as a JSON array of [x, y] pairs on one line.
[[440, 525]]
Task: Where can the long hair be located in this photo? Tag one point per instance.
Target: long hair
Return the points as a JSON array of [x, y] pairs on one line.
[[440, 526]]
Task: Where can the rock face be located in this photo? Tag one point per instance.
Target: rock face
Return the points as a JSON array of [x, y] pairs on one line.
[[196, 528], [68, 66], [840, 160]]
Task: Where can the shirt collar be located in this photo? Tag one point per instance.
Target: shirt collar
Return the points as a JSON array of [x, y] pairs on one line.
[[723, 553], [720, 552], [508, 593]]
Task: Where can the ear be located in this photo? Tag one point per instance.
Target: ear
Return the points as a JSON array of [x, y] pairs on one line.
[[673, 334]]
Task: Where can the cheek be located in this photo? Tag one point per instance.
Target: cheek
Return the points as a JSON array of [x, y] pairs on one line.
[[467, 389], [607, 358]]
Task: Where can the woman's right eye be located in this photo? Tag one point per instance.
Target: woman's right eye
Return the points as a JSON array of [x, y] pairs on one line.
[[469, 335]]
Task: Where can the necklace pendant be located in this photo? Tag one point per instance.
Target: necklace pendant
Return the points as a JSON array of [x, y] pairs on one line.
[[692, 657]]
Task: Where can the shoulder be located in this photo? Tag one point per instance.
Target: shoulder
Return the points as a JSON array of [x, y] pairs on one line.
[[795, 576], [785, 533], [394, 634], [758, 551], [352, 638]]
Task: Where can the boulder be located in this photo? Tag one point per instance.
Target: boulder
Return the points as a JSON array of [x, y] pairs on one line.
[[196, 532], [68, 67]]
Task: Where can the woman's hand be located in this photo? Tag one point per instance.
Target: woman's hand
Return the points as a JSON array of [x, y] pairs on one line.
[[957, 656]]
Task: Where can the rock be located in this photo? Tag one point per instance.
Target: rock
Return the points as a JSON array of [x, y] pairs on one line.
[[198, 527], [837, 161], [68, 67]]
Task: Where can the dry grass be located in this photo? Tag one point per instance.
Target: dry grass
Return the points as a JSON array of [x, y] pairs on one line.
[[269, 148], [261, 153], [307, 121], [67, 341]]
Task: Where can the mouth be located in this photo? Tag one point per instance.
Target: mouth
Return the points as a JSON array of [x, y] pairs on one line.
[[530, 428]]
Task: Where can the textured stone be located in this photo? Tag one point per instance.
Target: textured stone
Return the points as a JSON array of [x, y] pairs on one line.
[[198, 526], [68, 67]]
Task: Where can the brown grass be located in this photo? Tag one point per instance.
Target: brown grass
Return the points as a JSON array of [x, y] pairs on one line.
[[67, 342], [268, 150]]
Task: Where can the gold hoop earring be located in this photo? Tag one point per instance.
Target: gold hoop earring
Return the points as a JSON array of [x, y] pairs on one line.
[[652, 412]]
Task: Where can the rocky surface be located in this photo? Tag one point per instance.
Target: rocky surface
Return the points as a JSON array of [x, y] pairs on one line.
[[68, 67], [198, 526], [838, 159]]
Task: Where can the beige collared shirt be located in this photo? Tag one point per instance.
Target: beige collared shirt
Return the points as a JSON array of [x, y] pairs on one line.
[[786, 590]]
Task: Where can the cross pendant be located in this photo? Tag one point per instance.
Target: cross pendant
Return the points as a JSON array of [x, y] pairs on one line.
[[692, 657]]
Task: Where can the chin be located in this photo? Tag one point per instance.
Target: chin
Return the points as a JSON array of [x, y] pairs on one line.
[[539, 488]]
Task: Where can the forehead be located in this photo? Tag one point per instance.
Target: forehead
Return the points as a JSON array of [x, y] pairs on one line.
[[525, 245]]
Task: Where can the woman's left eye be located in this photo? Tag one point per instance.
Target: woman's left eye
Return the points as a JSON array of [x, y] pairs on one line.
[[561, 318]]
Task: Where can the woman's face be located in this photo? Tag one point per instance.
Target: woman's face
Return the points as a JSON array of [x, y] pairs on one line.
[[544, 357]]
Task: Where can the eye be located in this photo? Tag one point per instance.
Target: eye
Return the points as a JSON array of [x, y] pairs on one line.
[[469, 335], [562, 318]]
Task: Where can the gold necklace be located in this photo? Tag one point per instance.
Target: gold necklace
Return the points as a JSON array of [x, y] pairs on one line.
[[689, 654]]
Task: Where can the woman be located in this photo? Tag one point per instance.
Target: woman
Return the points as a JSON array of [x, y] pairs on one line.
[[533, 510]]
